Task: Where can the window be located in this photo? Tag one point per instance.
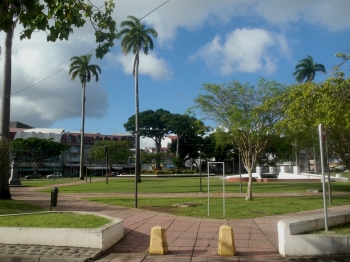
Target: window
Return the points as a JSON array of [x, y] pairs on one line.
[[78, 138], [69, 138]]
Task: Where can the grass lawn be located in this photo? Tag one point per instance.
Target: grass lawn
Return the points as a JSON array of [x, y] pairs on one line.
[[191, 185], [54, 220], [341, 229], [16, 207], [46, 182], [235, 208]]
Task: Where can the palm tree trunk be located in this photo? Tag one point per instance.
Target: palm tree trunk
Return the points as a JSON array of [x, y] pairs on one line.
[[137, 123], [5, 117], [81, 168], [6, 89]]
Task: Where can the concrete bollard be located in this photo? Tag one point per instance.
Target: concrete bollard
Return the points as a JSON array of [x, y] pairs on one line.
[[158, 243], [226, 245]]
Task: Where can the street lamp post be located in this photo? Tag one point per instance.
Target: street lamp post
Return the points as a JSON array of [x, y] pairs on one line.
[[200, 171], [106, 151], [54, 168], [240, 173]]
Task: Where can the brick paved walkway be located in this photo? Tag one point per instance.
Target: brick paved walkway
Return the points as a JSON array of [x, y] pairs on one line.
[[189, 239]]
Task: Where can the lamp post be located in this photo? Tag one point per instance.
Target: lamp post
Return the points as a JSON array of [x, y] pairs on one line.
[[240, 173], [54, 168], [200, 170], [106, 151]]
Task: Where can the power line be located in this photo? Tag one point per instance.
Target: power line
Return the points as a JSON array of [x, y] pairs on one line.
[[39, 81], [87, 53], [155, 9]]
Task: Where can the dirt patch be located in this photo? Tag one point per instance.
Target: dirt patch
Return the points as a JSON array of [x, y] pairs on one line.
[[187, 204]]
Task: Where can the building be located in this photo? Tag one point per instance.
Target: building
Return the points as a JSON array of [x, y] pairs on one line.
[[71, 158], [68, 162]]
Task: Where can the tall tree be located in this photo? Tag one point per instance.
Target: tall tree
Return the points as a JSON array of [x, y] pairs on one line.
[[118, 151], [151, 124], [136, 38], [57, 19], [37, 149], [306, 70], [184, 125], [241, 118], [80, 66], [327, 103]]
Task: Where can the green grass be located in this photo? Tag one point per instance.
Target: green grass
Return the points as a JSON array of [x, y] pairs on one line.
[[54, 220], [236, 208], [46, 182], [191, 185], [341, 229], [15, 207]]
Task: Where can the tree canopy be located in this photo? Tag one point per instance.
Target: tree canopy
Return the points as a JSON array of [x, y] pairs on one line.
[[118, 151], [242, 118], [58, 18], [308, 105], [38, 149], [152, 125], [185, 126]]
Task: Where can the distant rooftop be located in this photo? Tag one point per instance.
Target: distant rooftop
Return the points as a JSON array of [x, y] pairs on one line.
[[54, 133]]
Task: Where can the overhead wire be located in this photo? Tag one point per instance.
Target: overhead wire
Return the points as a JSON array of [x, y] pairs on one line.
[[87, 53]]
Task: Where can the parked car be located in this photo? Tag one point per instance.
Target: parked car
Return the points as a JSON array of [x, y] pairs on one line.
[[97, 174], [32, 176], [114, 174], [55, 175]]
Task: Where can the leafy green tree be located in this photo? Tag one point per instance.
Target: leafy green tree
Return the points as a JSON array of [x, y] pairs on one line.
[[306, 70], [118, 151], [242, 119], [136, 38], [80, 66], [38, 149], [57, 19], [184, 125], [308, 105], [147, 158], [151, 124]]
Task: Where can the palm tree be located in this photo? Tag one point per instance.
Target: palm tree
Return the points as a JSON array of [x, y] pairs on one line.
[[80, 66], [306, 70], [136, 37]]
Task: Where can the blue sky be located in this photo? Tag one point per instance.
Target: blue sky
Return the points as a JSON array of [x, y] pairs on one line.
[[199, 41]]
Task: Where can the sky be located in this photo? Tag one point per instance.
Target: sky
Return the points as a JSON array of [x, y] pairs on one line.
[[199, 41]]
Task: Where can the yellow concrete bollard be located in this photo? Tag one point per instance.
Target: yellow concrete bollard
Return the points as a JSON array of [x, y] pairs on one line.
[[226, 245], [158, 243]]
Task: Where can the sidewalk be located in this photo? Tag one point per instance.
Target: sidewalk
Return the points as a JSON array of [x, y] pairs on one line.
[[189, 239]]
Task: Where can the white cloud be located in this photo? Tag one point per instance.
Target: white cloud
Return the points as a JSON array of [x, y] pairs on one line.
[[57, 97], [333, 15], [242, 50], [157, 68]]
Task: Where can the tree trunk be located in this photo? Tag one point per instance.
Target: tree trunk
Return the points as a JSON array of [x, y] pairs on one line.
[[81, 167], [177, 146], [5, 117], [249, 195], [137, 123], [158, 147]]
